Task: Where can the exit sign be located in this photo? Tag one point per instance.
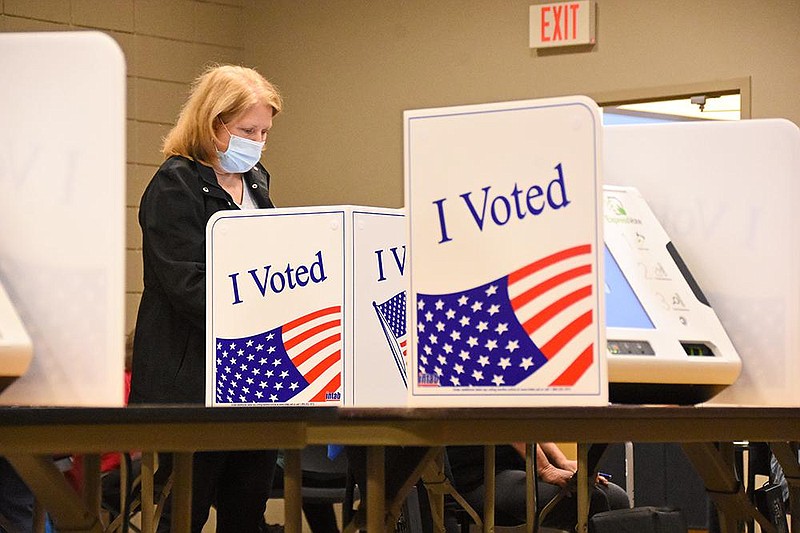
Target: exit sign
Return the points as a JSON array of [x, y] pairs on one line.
[[562, 24]]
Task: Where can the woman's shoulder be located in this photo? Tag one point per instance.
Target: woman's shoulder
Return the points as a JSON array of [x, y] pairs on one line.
[[177, 164], [176, 175], [178, 169]]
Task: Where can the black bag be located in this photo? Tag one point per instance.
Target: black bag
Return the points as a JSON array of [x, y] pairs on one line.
[[639, 520], [769, 501]]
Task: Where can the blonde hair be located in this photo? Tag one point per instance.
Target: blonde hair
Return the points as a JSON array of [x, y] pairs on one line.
[[222, 92]]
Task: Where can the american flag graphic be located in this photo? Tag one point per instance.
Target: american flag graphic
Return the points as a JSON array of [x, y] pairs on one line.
[[392, 316], [500, 333], [298, 361]]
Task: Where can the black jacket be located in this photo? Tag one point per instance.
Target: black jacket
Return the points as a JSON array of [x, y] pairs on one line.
[[169, 345]]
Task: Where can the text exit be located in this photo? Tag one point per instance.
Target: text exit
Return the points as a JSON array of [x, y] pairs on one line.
[[562, 24]]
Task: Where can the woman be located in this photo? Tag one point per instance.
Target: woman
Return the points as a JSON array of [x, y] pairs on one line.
[[555, 474], [212, 163]]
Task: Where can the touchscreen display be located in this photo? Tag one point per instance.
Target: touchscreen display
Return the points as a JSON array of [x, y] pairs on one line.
[[623, 308]]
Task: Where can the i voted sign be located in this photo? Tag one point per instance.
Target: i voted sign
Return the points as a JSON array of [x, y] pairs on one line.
[[306, 306], [376, 373], [503, 206], [274, 298]]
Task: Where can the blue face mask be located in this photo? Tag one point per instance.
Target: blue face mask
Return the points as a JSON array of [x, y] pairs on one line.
[[242, 154]]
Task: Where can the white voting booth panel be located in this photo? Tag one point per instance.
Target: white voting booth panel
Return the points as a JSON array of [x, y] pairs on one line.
[[665, 342], [727, 195], [504, 214], [306, 306], [62, 213]]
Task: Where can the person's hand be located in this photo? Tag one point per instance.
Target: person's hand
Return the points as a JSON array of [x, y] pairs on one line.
[[556, 476], [572, 466], [601, 480]]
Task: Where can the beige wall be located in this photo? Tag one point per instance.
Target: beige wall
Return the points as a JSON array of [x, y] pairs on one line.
[[349, 68], [166, 45]]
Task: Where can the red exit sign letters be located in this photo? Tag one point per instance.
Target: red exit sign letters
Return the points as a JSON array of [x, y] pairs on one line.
[[562, 24]]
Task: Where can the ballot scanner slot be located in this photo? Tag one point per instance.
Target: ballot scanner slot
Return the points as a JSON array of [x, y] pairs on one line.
[[700, 349]]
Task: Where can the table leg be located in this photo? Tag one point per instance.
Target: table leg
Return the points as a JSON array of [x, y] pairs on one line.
[[91, 482], [434, 481], [714, 464], [531, 496], [376, 489], [146, 491], [489, 488], [39, 518], [181, 493], [583, 488], [437, 486], [67, 509], [292, 491], [425, 458], [630, 485]]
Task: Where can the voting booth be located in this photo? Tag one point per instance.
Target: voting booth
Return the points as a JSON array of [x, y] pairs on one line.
[[62, 214], [726, 193], [306, 306], [504, 215], [665, 342]]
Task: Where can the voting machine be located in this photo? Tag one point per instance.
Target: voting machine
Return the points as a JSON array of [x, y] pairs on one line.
[[665, 342]]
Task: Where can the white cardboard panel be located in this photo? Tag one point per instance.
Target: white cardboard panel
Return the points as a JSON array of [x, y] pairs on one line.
[[62, 212], [379, 363], [274, 273], [501, 198], [727, 194]]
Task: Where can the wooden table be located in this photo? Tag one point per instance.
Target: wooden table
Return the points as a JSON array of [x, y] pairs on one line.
[[30, 436]]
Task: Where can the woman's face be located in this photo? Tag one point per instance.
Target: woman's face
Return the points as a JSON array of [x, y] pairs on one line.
[[254, 124]]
